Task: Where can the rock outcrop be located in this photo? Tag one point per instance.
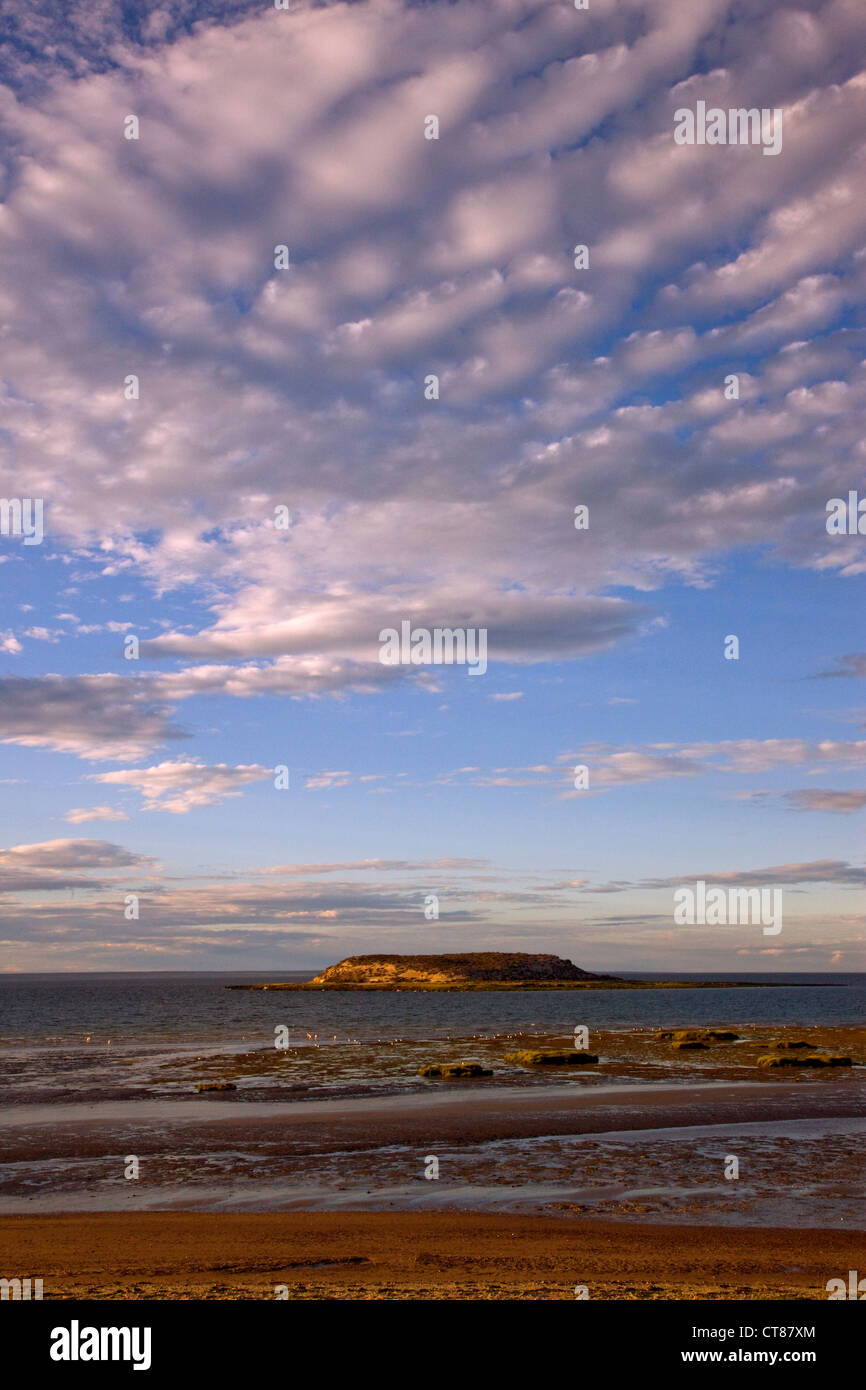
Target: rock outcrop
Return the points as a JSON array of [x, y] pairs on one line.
[[562, 1058], [682, 1036], [449, 1071], [816, 1061], [463, 968]]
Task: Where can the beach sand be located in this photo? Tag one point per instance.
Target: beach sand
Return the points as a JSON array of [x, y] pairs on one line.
[[403, 1255]]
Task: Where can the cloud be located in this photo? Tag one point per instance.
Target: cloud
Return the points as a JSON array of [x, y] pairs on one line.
[[307, 385], [56, 864], [610, 767], [760, 755], [820, 799], [852, 665], [72, 854], [324, 781], [99, 716], [79, 814], [183, 785], [822, 871], [373, 866], [181, 918], [520, 627], [630, 767]]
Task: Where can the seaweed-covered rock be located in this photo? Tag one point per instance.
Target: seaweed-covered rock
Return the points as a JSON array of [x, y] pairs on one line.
[[449, 1070], [705, 1035], [790, 1046], [813, 1061], [216, 1086], [690, 1045], [541, 1058]]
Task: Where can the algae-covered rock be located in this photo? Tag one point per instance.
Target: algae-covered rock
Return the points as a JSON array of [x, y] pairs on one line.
[[690, 1045], [814, 1061], [790, 1046], [449, 1070], [704, 1035], [216, 1086], [563, 1058]]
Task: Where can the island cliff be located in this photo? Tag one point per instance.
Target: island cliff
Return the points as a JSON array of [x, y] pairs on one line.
[[464, 969], [468, 970]]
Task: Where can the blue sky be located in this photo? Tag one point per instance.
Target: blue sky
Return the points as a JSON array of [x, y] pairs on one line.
[[303, 388]]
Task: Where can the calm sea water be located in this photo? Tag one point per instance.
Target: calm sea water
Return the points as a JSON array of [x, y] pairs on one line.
[[194, 1007]]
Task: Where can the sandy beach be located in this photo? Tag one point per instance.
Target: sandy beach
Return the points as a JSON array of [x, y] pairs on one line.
[[364, 1255]]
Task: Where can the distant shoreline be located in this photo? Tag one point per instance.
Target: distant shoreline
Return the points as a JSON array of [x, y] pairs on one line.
[[513, 985]]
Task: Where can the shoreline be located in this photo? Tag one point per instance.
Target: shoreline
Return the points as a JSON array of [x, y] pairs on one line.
[[416, 1256], [515, 986]]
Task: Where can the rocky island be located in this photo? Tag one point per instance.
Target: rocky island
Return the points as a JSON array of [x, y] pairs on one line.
[[465, 969], [470, 970]]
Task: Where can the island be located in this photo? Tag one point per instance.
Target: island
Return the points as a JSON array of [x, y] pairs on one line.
[[464, 969], [474, 970]]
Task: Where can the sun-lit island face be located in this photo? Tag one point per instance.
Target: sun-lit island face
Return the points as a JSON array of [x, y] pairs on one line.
[[460, 970], [465, 967], [473, 970]]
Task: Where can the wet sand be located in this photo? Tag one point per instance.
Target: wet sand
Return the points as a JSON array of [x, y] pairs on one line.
[[468, 1114], [614, 1151], [354, 1255]]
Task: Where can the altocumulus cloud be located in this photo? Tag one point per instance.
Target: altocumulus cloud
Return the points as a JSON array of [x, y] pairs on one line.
[[307, 384]]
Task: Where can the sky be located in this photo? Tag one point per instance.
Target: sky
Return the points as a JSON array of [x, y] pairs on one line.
[[255, 461]]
